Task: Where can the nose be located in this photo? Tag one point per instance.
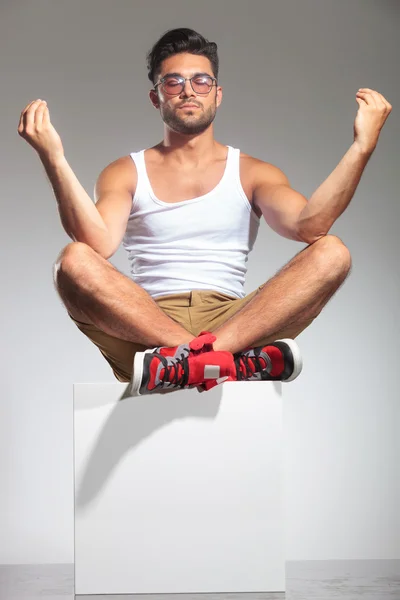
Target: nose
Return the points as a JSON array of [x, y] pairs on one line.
[[187, 90]]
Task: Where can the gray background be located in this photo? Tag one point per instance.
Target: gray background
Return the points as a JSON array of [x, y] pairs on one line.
[[289, 71]]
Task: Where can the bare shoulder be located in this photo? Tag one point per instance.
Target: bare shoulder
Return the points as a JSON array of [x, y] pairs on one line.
[[261, 172], [256, 176], [119, 175]]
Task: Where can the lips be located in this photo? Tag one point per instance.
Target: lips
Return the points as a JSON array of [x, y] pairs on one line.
[[189, 106]]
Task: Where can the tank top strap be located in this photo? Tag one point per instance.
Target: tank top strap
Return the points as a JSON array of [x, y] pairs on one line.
[[232, 166], [143, 183]]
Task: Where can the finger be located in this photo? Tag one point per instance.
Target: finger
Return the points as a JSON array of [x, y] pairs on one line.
[[29, 116], [39, 114], [386, 102], [369, 99], [366, 90], [379, 99], [27, 107], [23, 113]]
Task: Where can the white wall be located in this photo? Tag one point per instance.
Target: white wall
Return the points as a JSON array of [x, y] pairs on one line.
[[290, 71]]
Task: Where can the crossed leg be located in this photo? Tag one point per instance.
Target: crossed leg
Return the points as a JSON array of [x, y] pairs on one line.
[[298, 292], [94, 291]]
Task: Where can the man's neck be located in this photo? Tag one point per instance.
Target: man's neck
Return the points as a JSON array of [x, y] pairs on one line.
[[190, 152]]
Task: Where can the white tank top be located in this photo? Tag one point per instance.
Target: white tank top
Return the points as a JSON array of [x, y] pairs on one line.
[[197, 244]]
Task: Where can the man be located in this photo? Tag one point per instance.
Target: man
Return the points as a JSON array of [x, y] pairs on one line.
[[187, 211]]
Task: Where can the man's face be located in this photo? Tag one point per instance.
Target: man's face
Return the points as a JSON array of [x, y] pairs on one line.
[[188, 120]]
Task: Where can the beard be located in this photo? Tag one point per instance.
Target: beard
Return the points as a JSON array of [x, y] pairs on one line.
[[188, 121]]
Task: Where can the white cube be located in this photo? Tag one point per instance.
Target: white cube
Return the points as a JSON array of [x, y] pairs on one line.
[[179, 492]]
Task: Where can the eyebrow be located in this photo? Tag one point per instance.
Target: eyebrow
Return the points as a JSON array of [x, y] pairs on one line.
[[180, 74]]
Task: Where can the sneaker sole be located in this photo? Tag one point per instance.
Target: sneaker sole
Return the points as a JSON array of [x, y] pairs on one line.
[[297, 359], [138, 371]]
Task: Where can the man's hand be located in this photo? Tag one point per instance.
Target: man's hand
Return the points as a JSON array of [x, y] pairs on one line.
[[372, 113], [35, 127]]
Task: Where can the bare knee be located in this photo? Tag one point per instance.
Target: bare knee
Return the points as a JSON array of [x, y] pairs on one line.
[[70, 261], [333, 256]]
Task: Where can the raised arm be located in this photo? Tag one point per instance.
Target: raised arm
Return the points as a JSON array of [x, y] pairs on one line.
[[100, 226], [291, 214]]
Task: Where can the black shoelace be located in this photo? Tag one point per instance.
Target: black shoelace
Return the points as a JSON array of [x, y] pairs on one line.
[[243, 360], [171, 371]]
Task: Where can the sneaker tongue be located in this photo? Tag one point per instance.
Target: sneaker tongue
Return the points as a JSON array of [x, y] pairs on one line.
[[203, 342]]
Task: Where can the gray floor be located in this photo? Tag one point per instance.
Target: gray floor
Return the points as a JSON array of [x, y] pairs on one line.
[[306, 580]]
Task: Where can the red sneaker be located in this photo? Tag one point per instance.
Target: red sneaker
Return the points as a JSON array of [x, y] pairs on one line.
[[164, 369], [279, 361], [196, 364], [154, 373]]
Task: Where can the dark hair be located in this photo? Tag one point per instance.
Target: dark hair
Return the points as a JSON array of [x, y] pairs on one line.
[[176, 41]]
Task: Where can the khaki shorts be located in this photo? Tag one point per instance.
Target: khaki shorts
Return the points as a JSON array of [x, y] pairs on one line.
[[196, 311]]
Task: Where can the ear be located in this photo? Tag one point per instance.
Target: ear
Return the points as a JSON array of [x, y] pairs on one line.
[[219, 95], [154, 99]]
